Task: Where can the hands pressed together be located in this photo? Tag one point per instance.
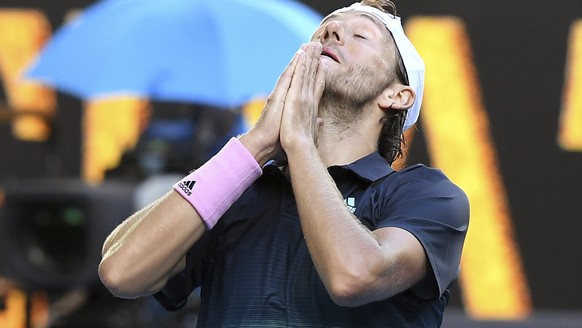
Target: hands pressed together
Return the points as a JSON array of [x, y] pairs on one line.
[[289, 120]]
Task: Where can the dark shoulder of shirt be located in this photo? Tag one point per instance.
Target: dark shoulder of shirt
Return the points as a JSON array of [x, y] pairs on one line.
[[427, 204]]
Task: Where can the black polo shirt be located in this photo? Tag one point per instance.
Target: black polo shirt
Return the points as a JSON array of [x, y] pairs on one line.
[[256, 271]]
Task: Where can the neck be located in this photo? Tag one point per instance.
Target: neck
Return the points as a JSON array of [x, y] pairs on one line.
[[343, 139]]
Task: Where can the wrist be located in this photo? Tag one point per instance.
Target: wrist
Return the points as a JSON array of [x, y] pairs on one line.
[[217, 184], [300, 145], [260, 150]]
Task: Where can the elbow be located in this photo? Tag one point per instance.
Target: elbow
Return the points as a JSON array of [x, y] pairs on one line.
[[343, 297], [113, 279], [350, 290]]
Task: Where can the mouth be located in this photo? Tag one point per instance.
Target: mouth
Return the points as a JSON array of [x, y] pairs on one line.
[[327, 53]]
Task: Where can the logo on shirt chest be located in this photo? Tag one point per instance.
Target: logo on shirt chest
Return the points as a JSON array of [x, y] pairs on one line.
[[351, 203]]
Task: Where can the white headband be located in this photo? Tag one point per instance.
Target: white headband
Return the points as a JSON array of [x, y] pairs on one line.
[[412, 61]]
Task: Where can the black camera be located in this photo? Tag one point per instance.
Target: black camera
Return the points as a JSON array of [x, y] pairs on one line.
[[52, 231]]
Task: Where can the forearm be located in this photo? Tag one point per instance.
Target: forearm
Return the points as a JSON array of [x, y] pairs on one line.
[[346, 254], [147, 248], [140, 255]]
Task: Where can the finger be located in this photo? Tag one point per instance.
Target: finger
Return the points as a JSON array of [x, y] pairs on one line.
[[314, 56], [299, 74], [311, 82], [320, 79], [284, 81]]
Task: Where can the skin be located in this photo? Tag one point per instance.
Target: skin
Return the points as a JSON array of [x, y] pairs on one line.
[[304, 121]]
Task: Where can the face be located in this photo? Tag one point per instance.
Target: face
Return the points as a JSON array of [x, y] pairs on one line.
[[359, 52]]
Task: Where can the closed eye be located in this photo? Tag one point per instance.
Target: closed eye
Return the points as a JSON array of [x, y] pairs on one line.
[[359, 36]]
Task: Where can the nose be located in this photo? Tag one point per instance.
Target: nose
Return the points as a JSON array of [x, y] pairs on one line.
[[333, 32]]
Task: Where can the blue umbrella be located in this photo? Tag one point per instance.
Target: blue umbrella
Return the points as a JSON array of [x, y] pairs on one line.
[[215, 52]]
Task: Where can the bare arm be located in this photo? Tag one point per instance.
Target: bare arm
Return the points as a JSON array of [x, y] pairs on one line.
[[357, 266], [144, 251]]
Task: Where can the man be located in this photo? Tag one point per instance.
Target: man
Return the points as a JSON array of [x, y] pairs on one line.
[[333, 238]]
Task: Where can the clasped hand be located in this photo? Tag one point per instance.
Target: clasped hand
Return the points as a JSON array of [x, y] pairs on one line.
[[289, 120]]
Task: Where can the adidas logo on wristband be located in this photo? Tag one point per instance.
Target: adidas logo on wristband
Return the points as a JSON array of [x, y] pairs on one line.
[[187, 186]]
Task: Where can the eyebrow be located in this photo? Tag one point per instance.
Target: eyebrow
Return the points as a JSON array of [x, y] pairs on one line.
[[369, 17]]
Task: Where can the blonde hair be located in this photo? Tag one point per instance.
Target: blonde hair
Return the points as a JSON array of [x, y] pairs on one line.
[[384, 5]]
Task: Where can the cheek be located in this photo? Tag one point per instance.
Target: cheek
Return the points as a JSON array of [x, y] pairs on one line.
[[367, 56], [381, 65]]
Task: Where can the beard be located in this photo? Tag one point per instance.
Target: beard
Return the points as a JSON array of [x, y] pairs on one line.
[[346, 94]]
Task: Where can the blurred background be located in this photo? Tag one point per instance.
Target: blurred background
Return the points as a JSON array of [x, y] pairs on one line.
[[86, 139]]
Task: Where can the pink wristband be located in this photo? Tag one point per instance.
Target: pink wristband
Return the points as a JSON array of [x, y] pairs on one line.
[[217, 184]]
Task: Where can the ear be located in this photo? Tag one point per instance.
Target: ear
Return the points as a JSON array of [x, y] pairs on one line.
[[397, 97]]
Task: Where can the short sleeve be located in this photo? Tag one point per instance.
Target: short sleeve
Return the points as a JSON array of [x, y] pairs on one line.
[[424, 202]]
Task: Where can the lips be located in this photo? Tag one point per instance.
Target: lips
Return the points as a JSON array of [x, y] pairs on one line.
[[328, 53]]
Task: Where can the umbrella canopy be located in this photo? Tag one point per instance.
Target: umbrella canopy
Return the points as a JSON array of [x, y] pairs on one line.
[[215, 52]]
